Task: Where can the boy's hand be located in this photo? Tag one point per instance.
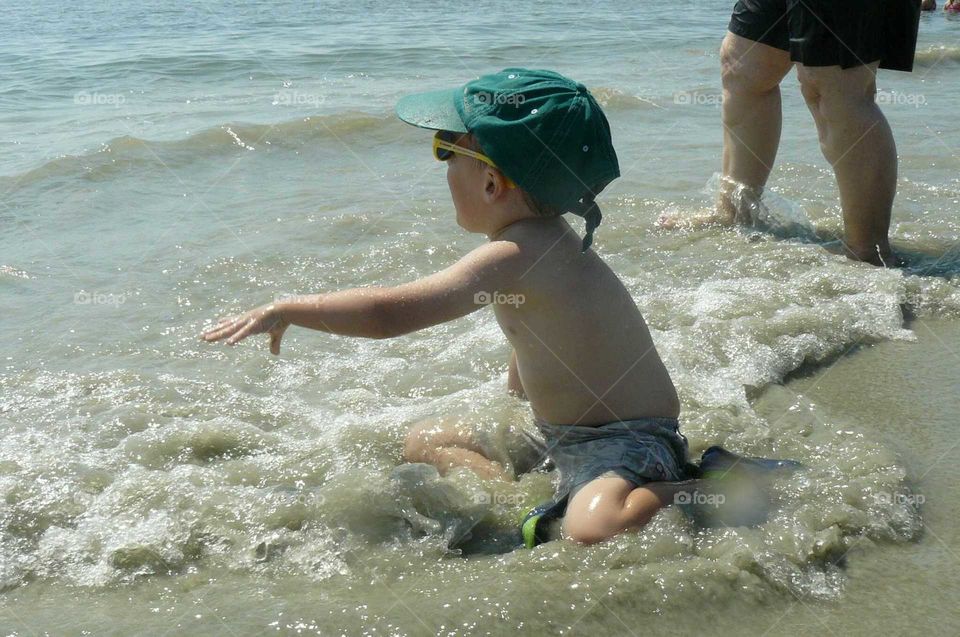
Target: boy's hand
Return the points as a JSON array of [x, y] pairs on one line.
[[264, 319]]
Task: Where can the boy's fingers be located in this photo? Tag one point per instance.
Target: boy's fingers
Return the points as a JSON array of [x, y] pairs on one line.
[[219, 330], [210, 329], [275, 337], [274, 344], [216, 333], [243, 333], [221, 322]]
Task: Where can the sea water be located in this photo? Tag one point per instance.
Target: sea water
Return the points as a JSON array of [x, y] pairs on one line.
[[164, 165]]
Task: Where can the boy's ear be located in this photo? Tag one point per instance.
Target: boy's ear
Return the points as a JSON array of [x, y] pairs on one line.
[[494, 184]]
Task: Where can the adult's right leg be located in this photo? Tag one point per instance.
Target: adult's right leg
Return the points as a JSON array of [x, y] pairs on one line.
[[751, 73]]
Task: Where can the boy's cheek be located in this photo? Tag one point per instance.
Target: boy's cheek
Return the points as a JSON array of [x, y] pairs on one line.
[[453, 182]]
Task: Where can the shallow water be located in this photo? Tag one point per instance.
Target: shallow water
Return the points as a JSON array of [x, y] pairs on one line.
[[668, 580], [153, 482]]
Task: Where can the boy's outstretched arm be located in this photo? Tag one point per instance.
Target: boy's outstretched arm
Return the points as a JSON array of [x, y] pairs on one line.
[[378, 312]]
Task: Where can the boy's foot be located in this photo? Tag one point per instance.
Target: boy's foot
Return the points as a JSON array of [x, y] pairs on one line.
[[536, 527], [717, 462], [740, 496]]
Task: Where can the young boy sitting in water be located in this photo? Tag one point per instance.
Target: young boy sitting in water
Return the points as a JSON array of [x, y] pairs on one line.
[[523, 147]]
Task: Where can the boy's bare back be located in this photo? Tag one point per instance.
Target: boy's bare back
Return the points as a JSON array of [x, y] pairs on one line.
[[584, 352]]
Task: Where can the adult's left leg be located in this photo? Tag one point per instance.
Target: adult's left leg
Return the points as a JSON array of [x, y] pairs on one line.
[[857, 141]]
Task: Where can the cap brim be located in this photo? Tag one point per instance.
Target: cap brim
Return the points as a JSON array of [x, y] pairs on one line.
[[435, 110]]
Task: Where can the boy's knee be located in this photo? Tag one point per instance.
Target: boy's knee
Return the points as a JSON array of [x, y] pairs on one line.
[[591, 533], [594, 530], [591, 527], [417, 445], [587, 537]]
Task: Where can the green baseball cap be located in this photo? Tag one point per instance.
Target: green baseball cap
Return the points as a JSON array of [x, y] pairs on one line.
[[545, 131]]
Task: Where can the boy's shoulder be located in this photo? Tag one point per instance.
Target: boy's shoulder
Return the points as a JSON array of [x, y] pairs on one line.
[[547, 253], [531, 256], [541, 238]]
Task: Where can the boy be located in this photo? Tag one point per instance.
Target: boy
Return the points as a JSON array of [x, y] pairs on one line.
[[523, 147]]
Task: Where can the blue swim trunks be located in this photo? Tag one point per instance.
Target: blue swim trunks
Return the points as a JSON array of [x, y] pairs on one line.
[[640, 451]]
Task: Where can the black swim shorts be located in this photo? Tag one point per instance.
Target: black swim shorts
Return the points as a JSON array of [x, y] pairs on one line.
[[843, 33]]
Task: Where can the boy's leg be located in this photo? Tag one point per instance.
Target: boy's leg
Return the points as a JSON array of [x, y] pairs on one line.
[[448, 444], [609, 505]]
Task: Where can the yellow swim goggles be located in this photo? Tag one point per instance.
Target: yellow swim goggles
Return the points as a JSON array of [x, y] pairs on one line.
[[444, 148]]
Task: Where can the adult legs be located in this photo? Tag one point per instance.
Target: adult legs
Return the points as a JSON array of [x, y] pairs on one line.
[[751, 73], [857, 141]]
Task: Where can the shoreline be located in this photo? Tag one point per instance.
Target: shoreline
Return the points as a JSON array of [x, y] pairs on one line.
[[906, 396]]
